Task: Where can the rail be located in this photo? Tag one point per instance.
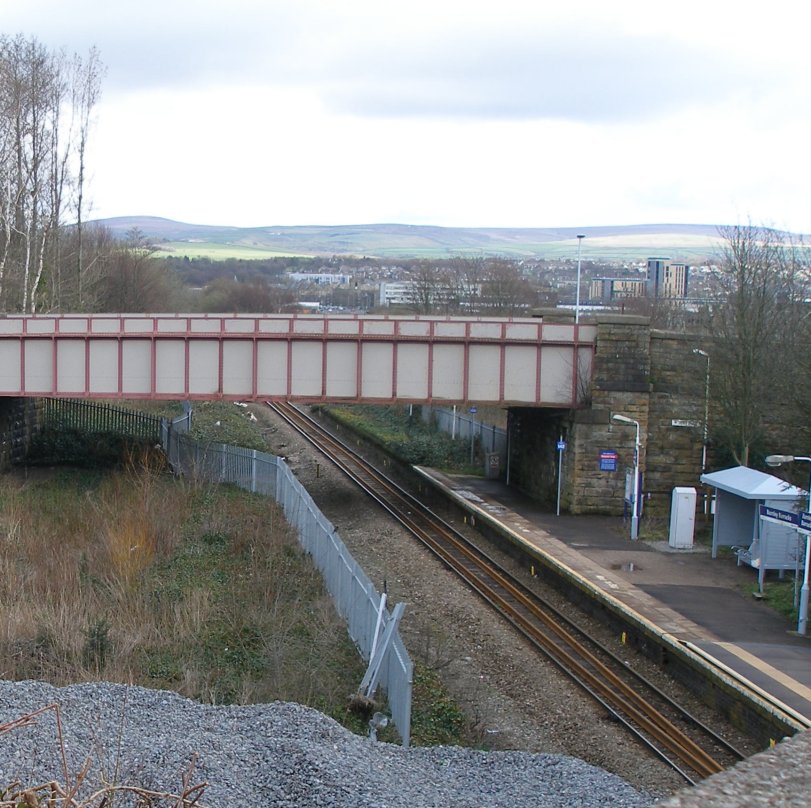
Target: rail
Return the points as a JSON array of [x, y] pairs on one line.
[[604, 676]]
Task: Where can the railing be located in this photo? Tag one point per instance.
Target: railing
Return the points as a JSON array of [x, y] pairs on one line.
[[92, 417], [492, 439], [354, 595]]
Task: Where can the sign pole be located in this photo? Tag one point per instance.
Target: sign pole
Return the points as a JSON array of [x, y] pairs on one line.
[[561, 448], [635, 513], [802, 625], [802, 523]]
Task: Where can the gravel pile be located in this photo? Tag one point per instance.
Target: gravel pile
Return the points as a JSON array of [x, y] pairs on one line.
[[276, 754]]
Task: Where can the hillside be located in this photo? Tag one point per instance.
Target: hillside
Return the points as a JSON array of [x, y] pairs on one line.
[[632, 242]]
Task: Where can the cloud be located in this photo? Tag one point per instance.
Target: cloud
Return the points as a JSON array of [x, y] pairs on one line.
[[515, 112], [513, 60], [525, 78]]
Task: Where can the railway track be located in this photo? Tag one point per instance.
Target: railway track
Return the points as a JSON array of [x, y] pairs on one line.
[[693, 749]]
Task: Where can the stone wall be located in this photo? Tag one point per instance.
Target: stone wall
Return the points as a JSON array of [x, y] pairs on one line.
[[651, 377], [620, 384], [18, 423], [676, 420], [534, 433]]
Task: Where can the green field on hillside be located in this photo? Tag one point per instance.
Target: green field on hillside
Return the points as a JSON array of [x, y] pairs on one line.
[[693, 249], [219, 251]]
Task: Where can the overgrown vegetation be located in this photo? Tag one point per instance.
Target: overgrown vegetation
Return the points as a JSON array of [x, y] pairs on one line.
[[404, 434], [436, 718], [226, 422], [136, 577], [78, 448], [779, 595], [128, 574]]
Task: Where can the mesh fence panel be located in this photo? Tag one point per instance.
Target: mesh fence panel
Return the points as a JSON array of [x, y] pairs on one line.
[[491, 438], [354, 595]]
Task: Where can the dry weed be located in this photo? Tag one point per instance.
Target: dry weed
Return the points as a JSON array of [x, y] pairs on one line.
[[64, 795], [141, 578]]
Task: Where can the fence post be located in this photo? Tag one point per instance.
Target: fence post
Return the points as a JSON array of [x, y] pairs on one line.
[[351, 590]]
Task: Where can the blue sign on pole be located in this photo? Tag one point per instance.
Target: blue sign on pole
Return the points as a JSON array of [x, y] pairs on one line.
[[608, 460], [561, 445]]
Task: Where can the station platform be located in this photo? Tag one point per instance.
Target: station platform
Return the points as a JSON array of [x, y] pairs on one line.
[[700, 604]]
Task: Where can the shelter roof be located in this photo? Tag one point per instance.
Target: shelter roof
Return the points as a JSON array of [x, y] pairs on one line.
[[752, 484]]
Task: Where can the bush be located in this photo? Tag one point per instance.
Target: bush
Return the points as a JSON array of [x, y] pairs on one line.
[[75, 447], [406, 436]]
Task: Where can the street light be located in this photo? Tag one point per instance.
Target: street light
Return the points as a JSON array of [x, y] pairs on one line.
[[802, 623], [624, 419], [699, 352], [580, 237]]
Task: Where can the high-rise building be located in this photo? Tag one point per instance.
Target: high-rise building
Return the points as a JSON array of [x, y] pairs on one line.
[[667, 278], [613, 288]]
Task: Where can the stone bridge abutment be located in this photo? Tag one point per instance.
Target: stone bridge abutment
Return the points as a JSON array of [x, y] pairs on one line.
[[653, 377]]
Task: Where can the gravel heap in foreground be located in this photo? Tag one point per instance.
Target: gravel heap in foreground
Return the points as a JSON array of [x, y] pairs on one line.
[[276, 754]]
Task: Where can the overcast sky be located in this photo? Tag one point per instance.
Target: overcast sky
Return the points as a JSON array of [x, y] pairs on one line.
[[524, 113]]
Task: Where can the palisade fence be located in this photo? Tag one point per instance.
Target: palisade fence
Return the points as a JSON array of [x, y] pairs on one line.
[[354, 595], [90, 416], [492, 439]]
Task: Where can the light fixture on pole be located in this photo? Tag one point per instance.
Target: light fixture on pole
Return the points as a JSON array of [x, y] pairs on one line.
[[580, 237], [802, 622], [624, 419], [699, 352]]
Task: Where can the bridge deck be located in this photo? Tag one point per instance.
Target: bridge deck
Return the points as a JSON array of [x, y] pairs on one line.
[[295, 357]]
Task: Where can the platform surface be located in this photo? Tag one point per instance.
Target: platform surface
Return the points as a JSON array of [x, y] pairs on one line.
[[704, 602]]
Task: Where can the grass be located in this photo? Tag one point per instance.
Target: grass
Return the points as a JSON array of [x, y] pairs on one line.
[[779, 595], [219, 251], [250, 243], [131, 575], [137, 577], [226, 422], [407, 436]]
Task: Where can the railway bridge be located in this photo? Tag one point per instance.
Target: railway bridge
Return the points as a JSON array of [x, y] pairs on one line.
[[309, 358], [556, 378]]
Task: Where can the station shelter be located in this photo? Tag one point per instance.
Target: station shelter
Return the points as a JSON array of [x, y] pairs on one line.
[[762, 544]]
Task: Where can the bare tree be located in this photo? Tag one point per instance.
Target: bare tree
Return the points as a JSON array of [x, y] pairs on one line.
[[245, 296], [758, 311], [39, 98], [506, 291], [125, 276], [428, 283], [467, 276], [87, 75]]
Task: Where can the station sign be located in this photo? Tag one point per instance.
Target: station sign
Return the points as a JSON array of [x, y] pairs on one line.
[[561, 445], [801, 521], [781, 517]]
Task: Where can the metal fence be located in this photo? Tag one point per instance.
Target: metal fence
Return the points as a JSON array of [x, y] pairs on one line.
[[492, 439], [89, 416], [354, 595]]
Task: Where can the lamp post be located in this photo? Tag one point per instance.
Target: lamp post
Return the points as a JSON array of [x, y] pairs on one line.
[[802, 623], [699, 352], [580, 237], [624, 419]]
